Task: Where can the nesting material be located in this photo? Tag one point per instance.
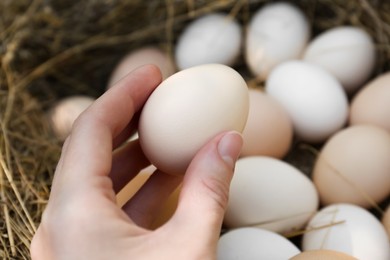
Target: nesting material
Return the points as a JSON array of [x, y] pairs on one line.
[[50, 50]]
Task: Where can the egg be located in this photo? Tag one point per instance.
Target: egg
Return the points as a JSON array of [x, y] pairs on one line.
[[268, 130], [323, 255], [139, 57], [271, 194], [349, 229], [314, 99], [277, 32], [386, 220], [347, 52], [254, 243], [371, 104], [63, 114], [354, 167], [188, 109], [168, 207], [212, 38]]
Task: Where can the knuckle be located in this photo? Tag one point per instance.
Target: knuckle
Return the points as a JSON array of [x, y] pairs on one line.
[[218, 191]]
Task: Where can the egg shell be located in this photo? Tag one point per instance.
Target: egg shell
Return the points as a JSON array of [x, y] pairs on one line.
[[212, 38], [140, 57], [168, 207], [277, 32], [347, 52], [268, 130], [371, 104], [269, 193], [386, 220], [357, 232], [187, 110], [254, 243], [322, 255], [63, 114], [353, 166], [314, 99]]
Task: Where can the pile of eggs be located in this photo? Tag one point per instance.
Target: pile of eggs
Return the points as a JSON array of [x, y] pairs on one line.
[[317, 90]]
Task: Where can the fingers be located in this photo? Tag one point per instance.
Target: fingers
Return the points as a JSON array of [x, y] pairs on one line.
[[205, 189], [128, 131], [127, 162], [89, 152], [146, 203]]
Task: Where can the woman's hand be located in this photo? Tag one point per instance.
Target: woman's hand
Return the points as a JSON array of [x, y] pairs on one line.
[[82, 219]]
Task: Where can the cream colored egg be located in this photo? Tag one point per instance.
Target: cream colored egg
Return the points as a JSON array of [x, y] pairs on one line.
[[187, 110], [269, 193], [63, 114], [354, 167], [371, 105], [323, 255], [254, 243], [347, 52], [212, 38], [348, 229], [314, 99], [269, 130], [277, 32], [386, 220], [140, 57]]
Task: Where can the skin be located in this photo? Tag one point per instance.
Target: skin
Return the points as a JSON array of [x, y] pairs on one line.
[[82, 219]]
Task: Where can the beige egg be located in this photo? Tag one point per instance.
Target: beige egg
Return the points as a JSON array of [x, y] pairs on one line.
[[271, 194], [187, 110], [63, 114], [139, 57], [354, 166], [371, 105], [269, 130], [386, 220], [168, 207], [322, 255]]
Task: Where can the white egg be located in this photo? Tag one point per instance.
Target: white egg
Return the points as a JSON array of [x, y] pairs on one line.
[[254, 243], [347, 52], [187, 110], [314, 99], [349, 229], [270, 194], [277, 32], [63, 114], [213, 38]]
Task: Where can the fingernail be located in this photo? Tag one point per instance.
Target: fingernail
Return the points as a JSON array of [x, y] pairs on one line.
[[229, 147]]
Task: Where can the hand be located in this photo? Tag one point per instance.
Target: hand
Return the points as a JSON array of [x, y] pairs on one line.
[[82, 219]]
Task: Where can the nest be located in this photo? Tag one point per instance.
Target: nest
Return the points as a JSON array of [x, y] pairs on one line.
[[54, 48]]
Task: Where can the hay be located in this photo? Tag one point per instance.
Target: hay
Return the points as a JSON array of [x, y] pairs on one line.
[[55, 48]]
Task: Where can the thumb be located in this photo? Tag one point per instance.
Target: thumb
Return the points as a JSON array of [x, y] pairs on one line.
[[205, 189]]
